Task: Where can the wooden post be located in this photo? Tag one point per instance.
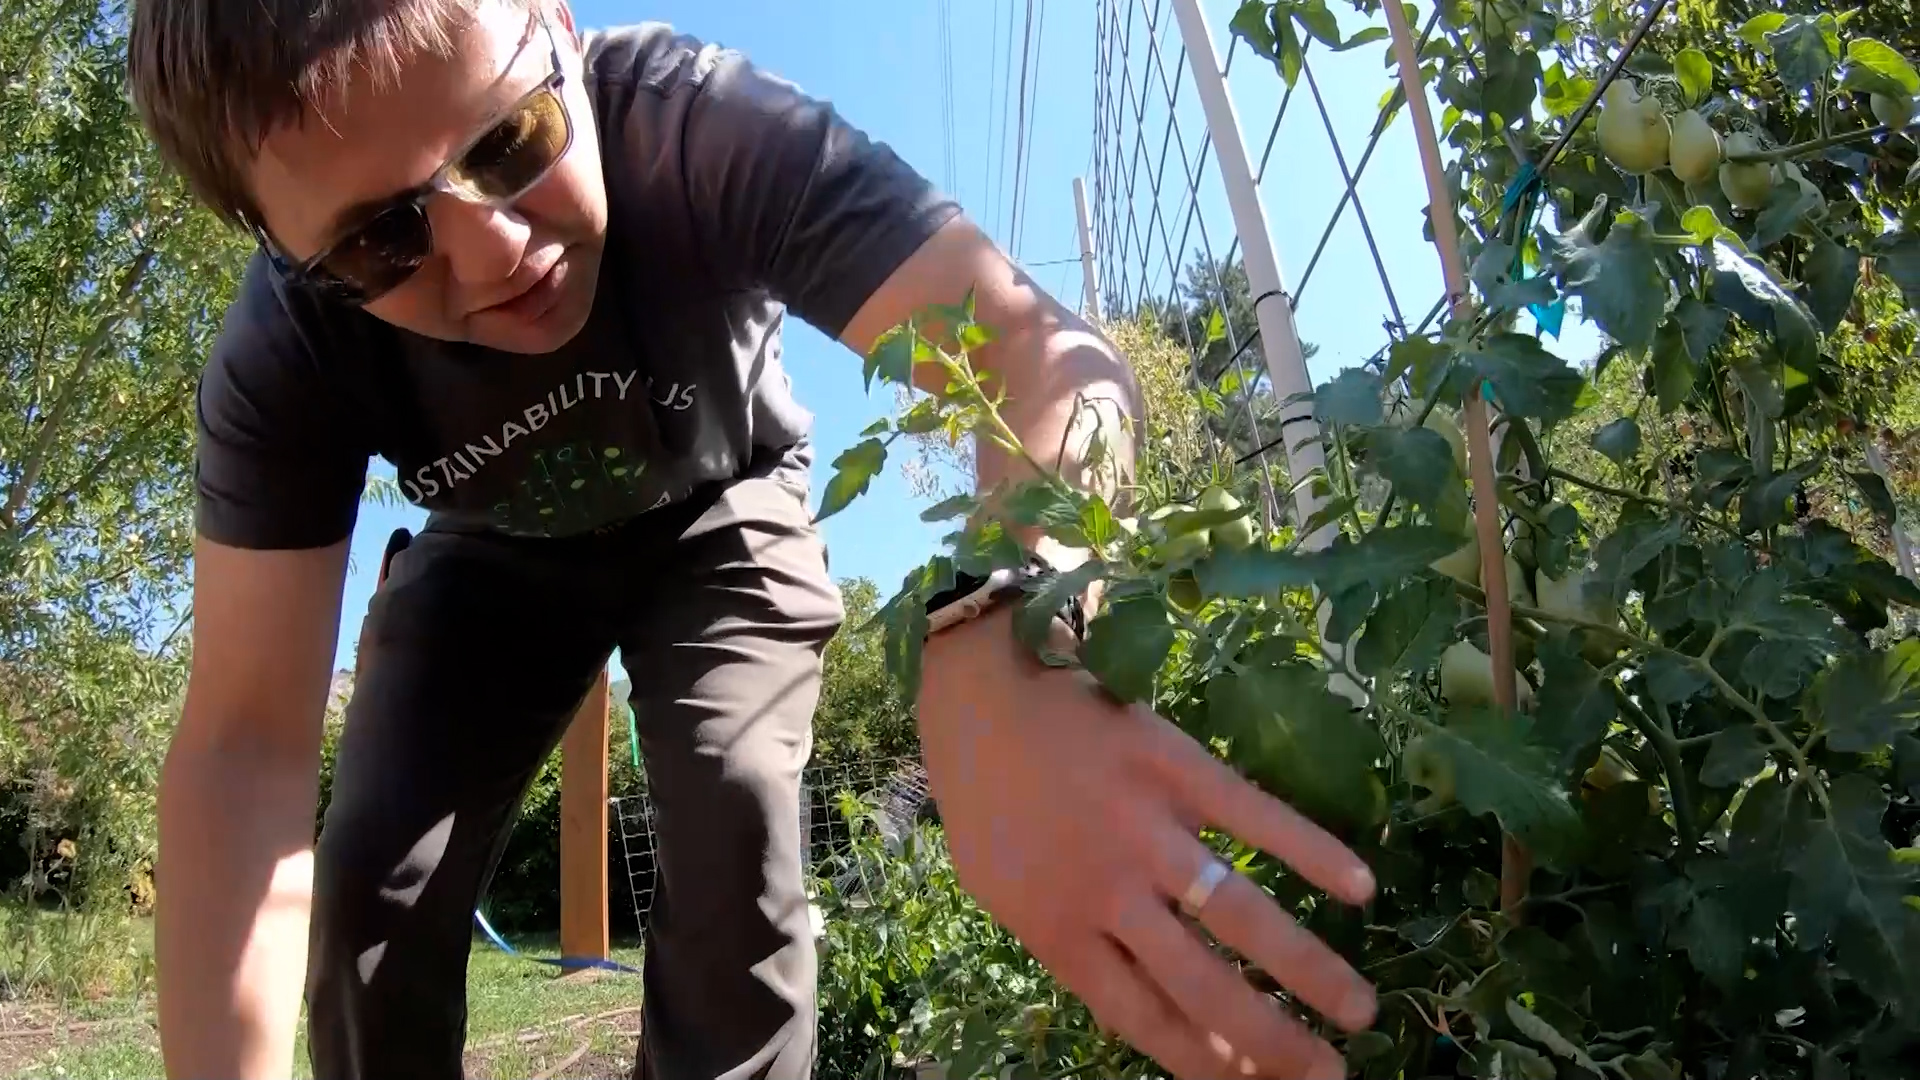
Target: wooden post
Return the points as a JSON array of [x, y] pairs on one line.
[[583, 828]]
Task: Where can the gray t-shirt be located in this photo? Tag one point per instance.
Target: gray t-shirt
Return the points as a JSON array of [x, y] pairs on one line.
[[731, 196]]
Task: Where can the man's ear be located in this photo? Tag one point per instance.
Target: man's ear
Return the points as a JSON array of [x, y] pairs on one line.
[[564, 13]]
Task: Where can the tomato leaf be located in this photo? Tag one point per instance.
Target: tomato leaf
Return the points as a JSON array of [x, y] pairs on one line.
[[1874, 489], [1419, 464], [1756, 30], [1253, 572], [853, 470], [1831, 273], [1874, 67], [1618, 279], [1530, 381], [949, 508], [1580, 706], [1897, 255], [1351, 397], [1671, 680], [1767, 502], [1127, 643], [1300, 740], [1417, 357], [1502, 767], [1674, 371], [1735, 755], [1493, 274], [1848, 888], [1251, 25], [1408, 629], [1868, 699], [1618, 441], [1695, 73], [1788, 204], [1744, 286], [1801, 52], [891, 358]]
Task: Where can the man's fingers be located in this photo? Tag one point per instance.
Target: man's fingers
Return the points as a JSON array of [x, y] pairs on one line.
[[1242, 915], [1228, 802], [1214, 997], [1125, 1002]]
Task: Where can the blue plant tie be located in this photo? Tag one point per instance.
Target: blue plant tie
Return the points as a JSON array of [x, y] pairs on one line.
[[565, 963]]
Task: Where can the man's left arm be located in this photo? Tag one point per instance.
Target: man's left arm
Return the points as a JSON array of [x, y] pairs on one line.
[[1071, 818], [1065, 383]]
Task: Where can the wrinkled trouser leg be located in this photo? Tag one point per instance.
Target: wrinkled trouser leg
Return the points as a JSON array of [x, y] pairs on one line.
[[474, 655], [724, 655]]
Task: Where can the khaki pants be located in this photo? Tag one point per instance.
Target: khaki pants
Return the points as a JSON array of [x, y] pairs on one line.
[[475, 653]]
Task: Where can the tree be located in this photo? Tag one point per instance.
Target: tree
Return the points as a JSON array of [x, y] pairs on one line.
[[861, 714], [115, 287]]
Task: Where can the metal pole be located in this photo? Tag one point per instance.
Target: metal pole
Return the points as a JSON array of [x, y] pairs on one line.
[[1279, 340], [1087, 275]]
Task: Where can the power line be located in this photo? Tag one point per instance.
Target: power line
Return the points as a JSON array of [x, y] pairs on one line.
[[1006, 100], [1024, 202], [944, 13], [1020, 141], [993, 87]]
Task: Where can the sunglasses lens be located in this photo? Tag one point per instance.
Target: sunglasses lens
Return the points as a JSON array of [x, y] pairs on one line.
[[518, 152], [382, 253]]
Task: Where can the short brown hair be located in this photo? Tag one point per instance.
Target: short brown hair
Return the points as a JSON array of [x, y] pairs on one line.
[[212, 78]]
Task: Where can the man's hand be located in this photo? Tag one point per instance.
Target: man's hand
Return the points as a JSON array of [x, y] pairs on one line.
[[1074, 821]]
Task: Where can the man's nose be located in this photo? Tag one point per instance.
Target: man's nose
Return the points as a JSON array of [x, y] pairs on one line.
[[483, 245]]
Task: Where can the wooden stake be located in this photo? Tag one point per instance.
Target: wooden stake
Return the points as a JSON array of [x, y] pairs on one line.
[[1516, 865], [583, 828]]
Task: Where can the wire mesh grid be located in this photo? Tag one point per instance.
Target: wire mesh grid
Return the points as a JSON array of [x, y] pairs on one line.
[[895, 788], [1164, 231]]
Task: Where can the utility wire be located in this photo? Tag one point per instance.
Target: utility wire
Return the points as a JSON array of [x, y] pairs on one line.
[[1006, 101], [1020, 141], [993, 88], [1024, 203]]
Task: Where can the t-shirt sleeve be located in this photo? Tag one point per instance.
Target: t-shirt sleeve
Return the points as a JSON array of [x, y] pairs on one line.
[[788, 196], [279, 462]]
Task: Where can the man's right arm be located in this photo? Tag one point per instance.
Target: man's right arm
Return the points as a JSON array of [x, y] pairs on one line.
[[237, 799]]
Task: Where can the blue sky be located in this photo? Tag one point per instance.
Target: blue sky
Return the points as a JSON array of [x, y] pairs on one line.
[[879, 62]]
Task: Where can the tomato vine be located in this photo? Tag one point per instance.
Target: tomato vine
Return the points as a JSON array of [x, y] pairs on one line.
[[1714, 762]]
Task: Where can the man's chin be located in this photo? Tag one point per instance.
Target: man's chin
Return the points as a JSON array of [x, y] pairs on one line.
[[548, 329]]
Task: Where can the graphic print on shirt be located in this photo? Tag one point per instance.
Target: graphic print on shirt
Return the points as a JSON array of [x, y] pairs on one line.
[[564, 487]]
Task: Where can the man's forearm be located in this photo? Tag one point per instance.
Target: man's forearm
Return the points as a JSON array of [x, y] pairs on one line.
[[1071, 399], [235, 889]]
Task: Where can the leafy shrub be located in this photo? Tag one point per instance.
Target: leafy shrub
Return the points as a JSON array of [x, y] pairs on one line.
[[912, 970], [1671, 829]]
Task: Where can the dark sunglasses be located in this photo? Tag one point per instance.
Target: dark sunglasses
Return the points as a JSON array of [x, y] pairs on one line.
[[501, 164]]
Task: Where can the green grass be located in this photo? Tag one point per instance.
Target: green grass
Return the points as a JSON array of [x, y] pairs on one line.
[[523, 1020]]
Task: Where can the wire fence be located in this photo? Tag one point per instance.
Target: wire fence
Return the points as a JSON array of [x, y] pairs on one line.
[[895, 787], [1167, 238]]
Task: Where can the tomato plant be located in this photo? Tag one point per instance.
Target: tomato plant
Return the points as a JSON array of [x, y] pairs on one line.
[[1713, 764]]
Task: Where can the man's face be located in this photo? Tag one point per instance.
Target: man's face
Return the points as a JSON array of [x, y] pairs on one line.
[[519, 278]]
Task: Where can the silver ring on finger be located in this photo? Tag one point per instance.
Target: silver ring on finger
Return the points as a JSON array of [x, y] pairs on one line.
[[1201, 889]]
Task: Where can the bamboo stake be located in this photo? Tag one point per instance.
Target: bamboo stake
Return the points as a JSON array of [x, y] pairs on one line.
[[1516, 865]]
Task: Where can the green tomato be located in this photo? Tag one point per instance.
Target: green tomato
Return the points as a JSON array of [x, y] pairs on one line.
[[1429, 767], [1747, 185], [1695, 148], [1237, 533], [1450, 431], [1895, 112], [1183, 591], [1634, 133], [1463, 564], [1466, 677]]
